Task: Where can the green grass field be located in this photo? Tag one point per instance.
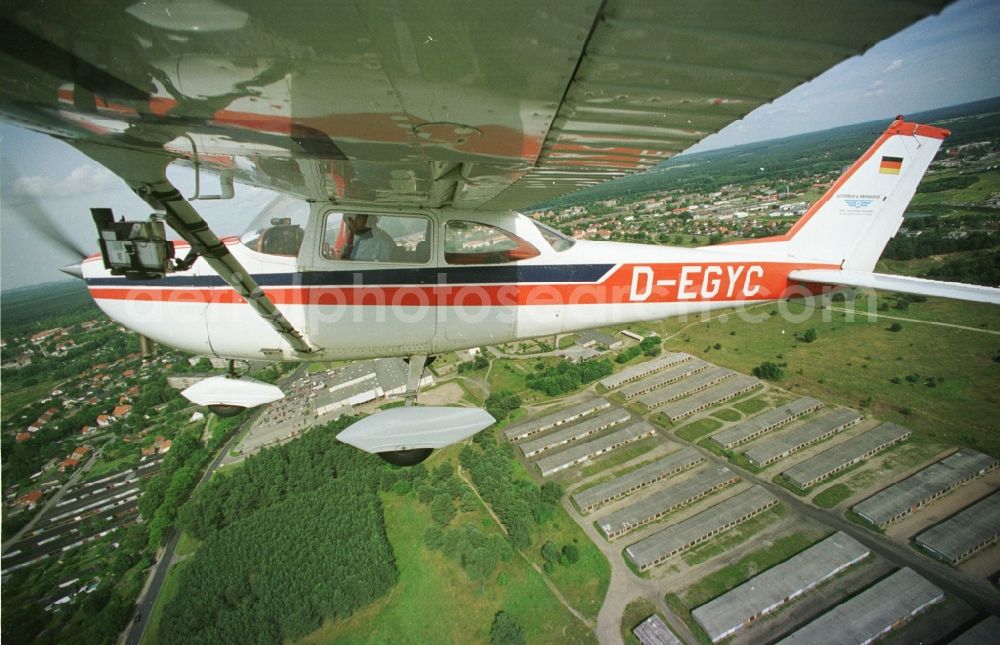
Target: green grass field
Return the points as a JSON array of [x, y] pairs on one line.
[[435, 602], [852, 361], [620, 456], [700, 428], [727, 414], [733, 537], [830, 497], [751, 406]]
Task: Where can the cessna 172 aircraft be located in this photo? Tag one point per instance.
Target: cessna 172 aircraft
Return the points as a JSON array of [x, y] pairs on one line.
[[403, 136]]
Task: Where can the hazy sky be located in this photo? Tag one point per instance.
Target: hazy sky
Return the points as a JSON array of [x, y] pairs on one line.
[[947, 59]]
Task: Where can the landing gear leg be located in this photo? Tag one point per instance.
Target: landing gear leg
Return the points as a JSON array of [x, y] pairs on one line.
[[418, 363]]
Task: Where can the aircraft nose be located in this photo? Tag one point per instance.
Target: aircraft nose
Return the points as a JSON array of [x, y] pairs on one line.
[[75, 270]]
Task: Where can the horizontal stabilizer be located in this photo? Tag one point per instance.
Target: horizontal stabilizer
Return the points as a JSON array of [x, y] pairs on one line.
[[415, 427], [902, 284]]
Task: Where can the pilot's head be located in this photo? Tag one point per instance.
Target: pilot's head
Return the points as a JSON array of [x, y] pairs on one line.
[[359, 222]]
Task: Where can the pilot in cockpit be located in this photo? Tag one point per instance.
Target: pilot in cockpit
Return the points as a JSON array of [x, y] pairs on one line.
[[367, 241]]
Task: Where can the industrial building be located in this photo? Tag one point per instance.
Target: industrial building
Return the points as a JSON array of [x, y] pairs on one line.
[[553, 419], [972, 529], [592, 337], [765, 422], [655, 506], [771, 449], [686, 386], [644, 369], [653, 631], [365, 381], [574, 432], [664, 377], [741, 606], [581, 452], [882, 607], [842, 456], [656, 548], [728, 389], [591, 498], [902, 498]]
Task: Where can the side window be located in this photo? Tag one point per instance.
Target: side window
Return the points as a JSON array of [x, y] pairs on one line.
[[279, 228], [475, 243], [367, 237]]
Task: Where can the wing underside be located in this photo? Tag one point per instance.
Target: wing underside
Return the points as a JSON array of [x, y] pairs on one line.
[[475, 105]]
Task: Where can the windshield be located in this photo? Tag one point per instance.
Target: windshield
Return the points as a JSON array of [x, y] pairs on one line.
[[556, 240], [279, 228]]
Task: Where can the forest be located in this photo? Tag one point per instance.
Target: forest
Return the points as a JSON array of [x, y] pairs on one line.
[[565, 377], [293, 536]]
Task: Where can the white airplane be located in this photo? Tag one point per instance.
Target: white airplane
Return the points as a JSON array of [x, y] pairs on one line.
[[403, 138]]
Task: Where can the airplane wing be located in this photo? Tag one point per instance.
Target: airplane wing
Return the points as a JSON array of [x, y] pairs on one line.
[[480, 105], [902, 284]]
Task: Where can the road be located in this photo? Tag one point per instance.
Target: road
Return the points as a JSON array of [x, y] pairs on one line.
[[148, 597]]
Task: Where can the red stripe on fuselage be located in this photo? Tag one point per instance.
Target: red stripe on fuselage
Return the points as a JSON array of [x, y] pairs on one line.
[[628, 284]]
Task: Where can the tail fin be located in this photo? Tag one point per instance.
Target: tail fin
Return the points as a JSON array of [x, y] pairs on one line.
[[852, 222]]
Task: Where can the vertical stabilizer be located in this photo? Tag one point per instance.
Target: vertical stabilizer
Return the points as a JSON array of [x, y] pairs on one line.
[[854, 220]]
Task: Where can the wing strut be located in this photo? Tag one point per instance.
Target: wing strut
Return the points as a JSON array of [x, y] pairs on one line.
[[146, 176]]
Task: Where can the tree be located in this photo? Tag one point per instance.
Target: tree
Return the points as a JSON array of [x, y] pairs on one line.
[[505, 630], [443, 509], [809, 335], [570, 554], [550, 551], [895, 327], [551, 492], [768, 370]]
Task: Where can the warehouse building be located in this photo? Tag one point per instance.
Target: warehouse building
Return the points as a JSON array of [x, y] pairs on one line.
[[765, 422], [655, 506], [686, 387], [365, 381], [740, 607], [967, 532], [771, 449], [584, 451], [664, 377], [574, 432], [902, 498], [842, 456], [642, 370], [728, 389], [591, 498], [653, 631], [553, 419], [877, 610], [657, 548]]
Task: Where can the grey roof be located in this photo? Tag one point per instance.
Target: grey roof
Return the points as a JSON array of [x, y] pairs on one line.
[[391, 372], [666, 377], [582, 451], [685, 534], [643, 511], [343, 395], [653, 631], [594, 336], [781, 583], [642, 369], [985, 631], [841, 456], [639, 478], [901, 498], [574, 431], [871, 613], [765, 422], [553, 419], [728, 389], [686, 386], [788, 441], [966, 532]]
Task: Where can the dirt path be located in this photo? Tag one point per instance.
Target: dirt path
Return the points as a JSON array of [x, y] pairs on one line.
[[915, 320], [548, 583]]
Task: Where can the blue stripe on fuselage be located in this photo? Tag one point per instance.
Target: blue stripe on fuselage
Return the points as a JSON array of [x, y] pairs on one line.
[[505, 274]]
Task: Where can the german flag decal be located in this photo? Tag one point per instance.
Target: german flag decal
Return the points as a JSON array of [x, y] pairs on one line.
[[890, 165]]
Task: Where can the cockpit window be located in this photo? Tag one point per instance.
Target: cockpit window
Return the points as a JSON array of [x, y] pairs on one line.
[[556, 240], [475, 243], [279, 228], [367, 237]]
